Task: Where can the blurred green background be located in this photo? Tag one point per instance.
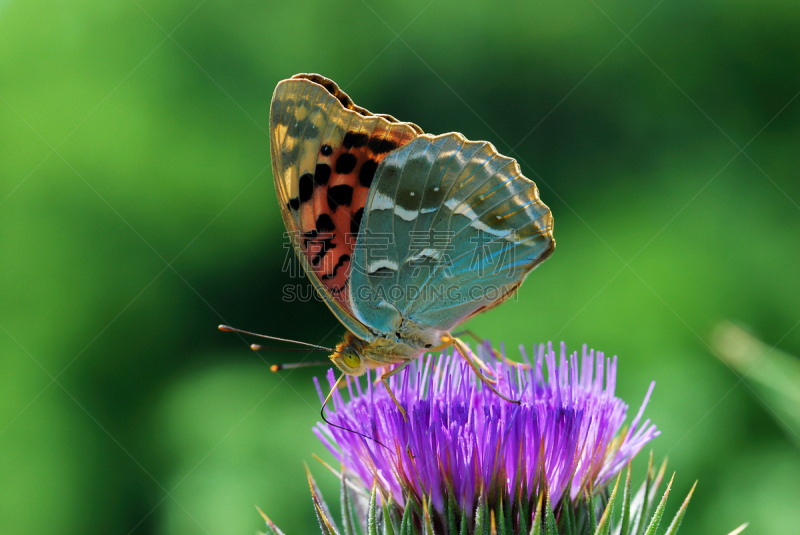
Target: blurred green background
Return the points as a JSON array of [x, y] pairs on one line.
[[137, 212]]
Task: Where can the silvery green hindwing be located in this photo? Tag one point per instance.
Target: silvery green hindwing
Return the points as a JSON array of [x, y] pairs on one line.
[[464, 461]]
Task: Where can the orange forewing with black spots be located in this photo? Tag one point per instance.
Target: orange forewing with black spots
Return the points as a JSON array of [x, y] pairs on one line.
[[325, 153]]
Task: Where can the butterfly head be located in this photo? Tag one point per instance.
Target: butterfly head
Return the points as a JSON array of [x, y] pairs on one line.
[[348, 356]]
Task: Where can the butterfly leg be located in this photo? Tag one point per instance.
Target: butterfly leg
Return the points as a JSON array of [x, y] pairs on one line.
[[497, 354], [478, 340], [464, 350], [385, 380], [449, 340]]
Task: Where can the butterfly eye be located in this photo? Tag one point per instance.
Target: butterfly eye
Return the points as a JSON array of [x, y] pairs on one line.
[[351, 357]]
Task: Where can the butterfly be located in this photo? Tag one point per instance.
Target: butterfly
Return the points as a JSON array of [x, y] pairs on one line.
[[404, 234]]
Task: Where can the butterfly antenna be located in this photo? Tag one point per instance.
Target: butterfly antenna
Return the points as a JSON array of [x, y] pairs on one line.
[[227, 329], [292, 365], [322, 415], [259, 347]]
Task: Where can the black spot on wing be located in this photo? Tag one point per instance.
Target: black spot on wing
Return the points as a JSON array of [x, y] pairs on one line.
[[367, 172], [326, 150], [325, 224], [342, 259], [294, 204], [317, 244], [337, 291], [354, 139], [322, 174], [324, 247], [309, 236], [345, 163], [341, 195], [306, 186], [379, 146]]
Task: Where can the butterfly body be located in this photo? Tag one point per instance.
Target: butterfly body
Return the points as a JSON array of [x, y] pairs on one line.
[[384, 350], [388, 221]]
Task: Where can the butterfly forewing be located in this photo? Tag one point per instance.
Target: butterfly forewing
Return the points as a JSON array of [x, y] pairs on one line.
[[325, 152]]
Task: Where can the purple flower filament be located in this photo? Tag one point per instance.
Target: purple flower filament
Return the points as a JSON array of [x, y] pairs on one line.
[[461, 438]]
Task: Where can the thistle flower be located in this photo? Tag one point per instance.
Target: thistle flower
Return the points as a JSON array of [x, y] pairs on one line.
[[461, 438], [467, 462], [462, 441]]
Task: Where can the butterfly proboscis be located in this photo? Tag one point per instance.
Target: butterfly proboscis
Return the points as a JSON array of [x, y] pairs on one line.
[[293, 365]]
